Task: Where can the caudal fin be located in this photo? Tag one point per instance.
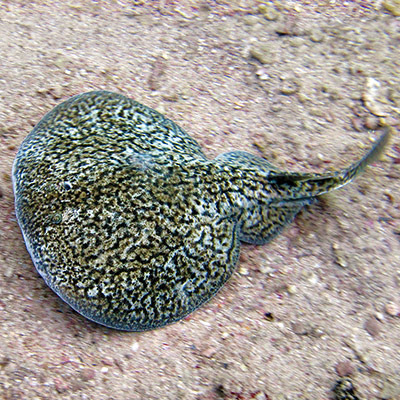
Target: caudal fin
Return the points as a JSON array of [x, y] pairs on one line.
[[300, 186]]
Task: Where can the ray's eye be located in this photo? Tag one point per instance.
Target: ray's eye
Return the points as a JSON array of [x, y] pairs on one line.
[[67, 185]]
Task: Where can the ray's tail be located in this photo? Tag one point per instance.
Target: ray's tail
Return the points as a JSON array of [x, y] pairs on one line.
[[297, 186]]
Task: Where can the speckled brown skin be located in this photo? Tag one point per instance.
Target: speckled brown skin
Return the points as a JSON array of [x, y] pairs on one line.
[[344, 390], [130, 224]]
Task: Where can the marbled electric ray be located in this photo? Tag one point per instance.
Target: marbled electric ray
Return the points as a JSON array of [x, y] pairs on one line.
[[127, 220]]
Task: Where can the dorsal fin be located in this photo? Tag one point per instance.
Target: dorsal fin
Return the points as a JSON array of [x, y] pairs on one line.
[[305, 185]]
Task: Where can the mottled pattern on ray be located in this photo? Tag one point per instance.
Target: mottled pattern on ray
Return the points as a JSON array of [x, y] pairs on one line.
[[127, 220]]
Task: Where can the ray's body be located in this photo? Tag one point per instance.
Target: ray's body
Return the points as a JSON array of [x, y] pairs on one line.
[[128, 221]]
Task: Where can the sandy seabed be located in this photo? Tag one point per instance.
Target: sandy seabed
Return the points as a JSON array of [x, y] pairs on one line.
[[301, 83]]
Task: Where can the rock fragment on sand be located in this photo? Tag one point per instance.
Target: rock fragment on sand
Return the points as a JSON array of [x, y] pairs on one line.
[[372, 326], [344, 368]]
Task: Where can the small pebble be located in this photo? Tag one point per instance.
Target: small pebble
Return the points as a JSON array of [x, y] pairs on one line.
[[268, 12], [243, 271], [344, 368], [170, 97], [312, 279], [371, 122], [289, 87], [8, 272], [269, 316], [316, 332], [357, 124], [243, 367], [158, 70], [316, 35], [393, 309], [299, 328], [56, 92], [373, 97], [225, 335], [276, 106], [296, 41], [264, 268], [60, 385], [340, 256], [291, 289], [60, 62], [135, 346], [88, 374], [107, 361], [4, 361], [209, 352], [251, 20], [262, 53], [262, 74], [379, 316], [372, 326]]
